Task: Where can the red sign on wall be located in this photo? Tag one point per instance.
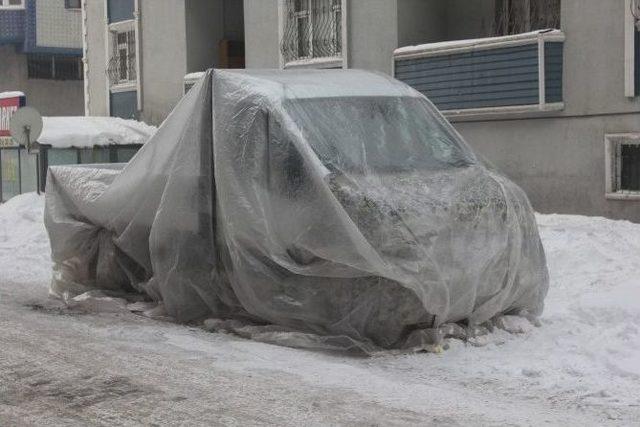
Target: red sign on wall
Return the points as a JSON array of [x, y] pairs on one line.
[[9, 104]]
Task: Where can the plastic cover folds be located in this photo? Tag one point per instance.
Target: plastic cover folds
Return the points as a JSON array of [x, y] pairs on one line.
[[334, 209]]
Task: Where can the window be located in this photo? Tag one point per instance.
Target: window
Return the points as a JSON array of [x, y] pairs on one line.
[[54, 67], [120, 10], [11, 4], [122, 65], [311, 29], [72, 4], [522, 16], [124, 104], [623, 166]]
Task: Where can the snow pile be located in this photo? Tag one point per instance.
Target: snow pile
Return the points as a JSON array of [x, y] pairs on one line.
[[64, 132], [24, 245], [582, 361], [588, 346]]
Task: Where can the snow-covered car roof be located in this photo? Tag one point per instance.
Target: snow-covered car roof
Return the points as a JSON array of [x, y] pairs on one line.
[[305, 84], [81, 132]]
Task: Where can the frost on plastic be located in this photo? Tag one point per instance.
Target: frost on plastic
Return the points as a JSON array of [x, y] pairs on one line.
[[330, 209]]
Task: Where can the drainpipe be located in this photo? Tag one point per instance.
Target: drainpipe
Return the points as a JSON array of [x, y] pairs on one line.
[[138, 31], [85, 61]]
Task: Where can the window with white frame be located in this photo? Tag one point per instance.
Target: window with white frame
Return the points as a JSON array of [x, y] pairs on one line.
[[11, 4], [312, 29], [623, 165], [122, 63]]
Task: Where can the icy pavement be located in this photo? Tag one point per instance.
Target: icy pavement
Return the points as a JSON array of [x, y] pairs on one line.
[[581, 367]]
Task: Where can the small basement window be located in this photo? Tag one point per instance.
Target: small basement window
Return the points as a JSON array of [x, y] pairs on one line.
[[623, 166]]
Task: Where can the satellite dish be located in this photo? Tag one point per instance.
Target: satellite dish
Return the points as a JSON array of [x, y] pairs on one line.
[[26, 126]]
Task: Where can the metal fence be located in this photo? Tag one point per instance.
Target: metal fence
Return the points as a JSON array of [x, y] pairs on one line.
[[122, 64]]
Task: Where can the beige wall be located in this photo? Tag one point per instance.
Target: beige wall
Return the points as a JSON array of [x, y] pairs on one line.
[[57, 26], [95, 59], [50, 97], [164, 57], [261, 33]]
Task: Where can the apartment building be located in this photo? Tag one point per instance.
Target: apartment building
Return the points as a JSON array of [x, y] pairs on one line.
[[546, 90], [41, 54], [137, 52]]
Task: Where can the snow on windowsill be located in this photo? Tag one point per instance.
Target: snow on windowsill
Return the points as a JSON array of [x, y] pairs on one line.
[[624, 195]]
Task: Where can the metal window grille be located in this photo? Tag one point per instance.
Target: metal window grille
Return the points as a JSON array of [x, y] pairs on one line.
[[122, 64], [521, 16], [627, 167], [54, 67], [312, 29]]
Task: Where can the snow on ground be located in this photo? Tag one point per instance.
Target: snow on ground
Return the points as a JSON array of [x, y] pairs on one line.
[[581, 367]]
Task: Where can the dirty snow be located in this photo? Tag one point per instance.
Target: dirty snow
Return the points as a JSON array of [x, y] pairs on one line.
[[63, 365]]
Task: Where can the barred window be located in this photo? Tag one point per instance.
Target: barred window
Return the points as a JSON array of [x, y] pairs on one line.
[[522, 16], [623, 166], [312, 29], [122, 64], [54, 67]]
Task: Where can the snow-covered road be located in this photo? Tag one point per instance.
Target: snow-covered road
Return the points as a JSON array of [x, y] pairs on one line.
[[581, 367]]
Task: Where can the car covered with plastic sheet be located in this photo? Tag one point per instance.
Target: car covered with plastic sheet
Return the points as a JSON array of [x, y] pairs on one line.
[[329, 209]]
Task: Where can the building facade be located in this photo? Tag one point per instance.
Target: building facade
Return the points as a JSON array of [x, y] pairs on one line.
[[41, 54], [137, 52], [556, 110]]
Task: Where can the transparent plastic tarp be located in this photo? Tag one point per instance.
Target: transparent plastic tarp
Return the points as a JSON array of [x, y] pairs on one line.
[[333, 209]]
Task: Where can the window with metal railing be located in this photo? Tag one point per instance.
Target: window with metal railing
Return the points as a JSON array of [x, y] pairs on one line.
[[122, 63], [311, 29], [522, 16]]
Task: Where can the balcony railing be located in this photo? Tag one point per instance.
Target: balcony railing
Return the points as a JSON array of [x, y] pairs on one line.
[[122, 69], [522, 72]]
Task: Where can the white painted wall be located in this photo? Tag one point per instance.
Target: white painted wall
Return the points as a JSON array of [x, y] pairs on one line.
[[57, 26]]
